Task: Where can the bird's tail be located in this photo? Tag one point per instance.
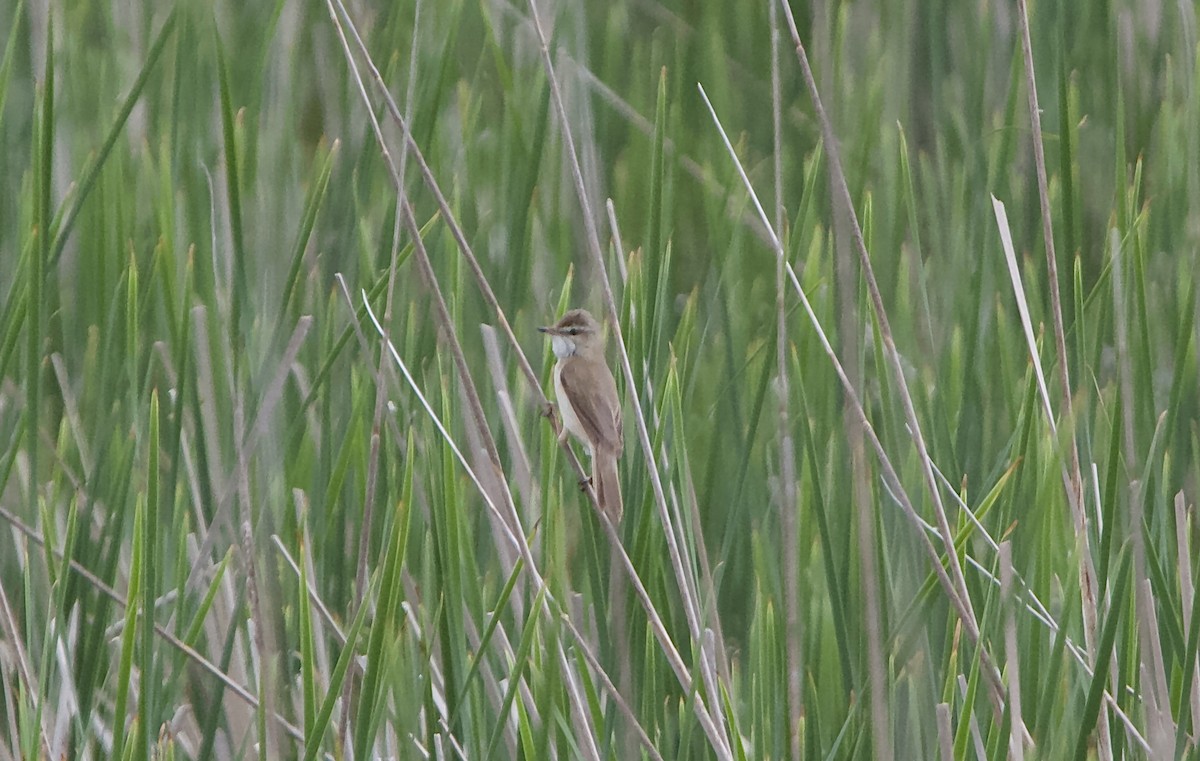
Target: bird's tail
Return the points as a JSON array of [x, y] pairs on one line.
[[608, 486]]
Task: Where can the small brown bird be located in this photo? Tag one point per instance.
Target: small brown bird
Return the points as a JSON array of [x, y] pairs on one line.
[[587, 396]]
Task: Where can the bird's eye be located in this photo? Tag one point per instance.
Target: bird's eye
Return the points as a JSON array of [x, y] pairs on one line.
[[573, 331]]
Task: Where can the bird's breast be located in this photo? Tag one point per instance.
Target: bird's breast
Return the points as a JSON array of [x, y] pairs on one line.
[[569, 418]]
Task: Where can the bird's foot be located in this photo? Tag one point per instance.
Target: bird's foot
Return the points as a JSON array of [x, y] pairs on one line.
[[550, 412]]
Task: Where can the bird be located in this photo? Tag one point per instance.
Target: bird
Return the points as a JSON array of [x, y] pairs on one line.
[[587, 396]]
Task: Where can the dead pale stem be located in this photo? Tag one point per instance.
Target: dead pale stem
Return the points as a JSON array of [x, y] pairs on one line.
[[860, 470], [712, 719], [1161, 729], [71, 411], [616, 237], [1187, 596], [692, 503], [266, 640], [1012, 653], [788, 505], [1072, 480], [972, 720], [945, 731], [264, 634], [527, 484], [206, 397], [958, 581]]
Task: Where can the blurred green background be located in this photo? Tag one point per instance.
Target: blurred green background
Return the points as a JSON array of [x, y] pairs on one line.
[[230, 529]]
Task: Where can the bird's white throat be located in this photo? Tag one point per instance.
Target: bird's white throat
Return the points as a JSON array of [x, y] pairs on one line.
[[563, 346]]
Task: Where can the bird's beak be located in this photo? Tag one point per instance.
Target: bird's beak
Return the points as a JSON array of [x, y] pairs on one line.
[[547, 329]]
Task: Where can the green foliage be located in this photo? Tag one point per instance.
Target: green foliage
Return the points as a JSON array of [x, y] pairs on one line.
[[238, 520]]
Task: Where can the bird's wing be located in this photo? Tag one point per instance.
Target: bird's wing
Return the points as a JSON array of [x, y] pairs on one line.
[[598, 410]]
